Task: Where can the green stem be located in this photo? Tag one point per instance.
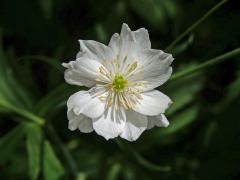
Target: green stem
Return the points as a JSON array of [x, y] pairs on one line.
[[141, 160], [22, 112], [206, 64], [194, 25]]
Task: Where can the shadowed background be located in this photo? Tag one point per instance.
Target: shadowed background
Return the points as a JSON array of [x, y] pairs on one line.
[[203, 139]]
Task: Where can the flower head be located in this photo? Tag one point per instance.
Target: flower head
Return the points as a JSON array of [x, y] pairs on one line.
[[122, 76]]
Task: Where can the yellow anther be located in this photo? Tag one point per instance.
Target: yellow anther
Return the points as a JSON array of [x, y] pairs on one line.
[[133, 66]]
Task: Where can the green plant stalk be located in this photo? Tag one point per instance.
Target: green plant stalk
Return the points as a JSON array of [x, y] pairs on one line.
[[24, 113], [196, 24], [206, 64]]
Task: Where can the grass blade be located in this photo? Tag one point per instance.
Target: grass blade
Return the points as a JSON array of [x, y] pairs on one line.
[[206, 64], [196, 24]]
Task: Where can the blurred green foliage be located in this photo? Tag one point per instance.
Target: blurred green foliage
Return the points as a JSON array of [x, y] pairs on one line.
[[203, 139]]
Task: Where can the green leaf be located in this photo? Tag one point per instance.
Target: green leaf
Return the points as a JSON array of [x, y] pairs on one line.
[[162, 136], [22, 112], [183, 46], [181, 121], [10, 88], [33, 148], [21, 94], [5, 89], [73, 169], [9, 142], [53, 168], [209, 133], [181, 93], [178, 123]]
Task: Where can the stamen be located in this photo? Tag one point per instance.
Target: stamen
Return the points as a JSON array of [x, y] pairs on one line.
[[132, 67], [113, 85], [123, 101]]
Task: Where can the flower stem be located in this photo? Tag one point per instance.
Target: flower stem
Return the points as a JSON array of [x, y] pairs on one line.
[[194, 25], [206, 64]]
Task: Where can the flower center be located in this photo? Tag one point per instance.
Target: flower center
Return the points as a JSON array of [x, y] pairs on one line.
[[115, 86], [119, 83]]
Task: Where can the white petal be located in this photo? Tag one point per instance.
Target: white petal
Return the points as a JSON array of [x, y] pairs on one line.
[[155, 81], [135, 124], [114, 43], [129, 42], [152, 103], [82, 72], [126, 43], [126, 33], [81, 54], [159, 121], [96, 51], [110, 124], [83, 103], [81, 122], [155, 68], [142, 38]]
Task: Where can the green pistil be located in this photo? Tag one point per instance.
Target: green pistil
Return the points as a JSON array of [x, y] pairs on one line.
[[119, 83]]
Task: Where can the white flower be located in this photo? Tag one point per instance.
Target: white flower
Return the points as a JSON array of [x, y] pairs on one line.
[[121, 77]]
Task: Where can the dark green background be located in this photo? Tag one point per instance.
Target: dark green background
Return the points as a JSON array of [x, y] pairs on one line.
[[203, 139]]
